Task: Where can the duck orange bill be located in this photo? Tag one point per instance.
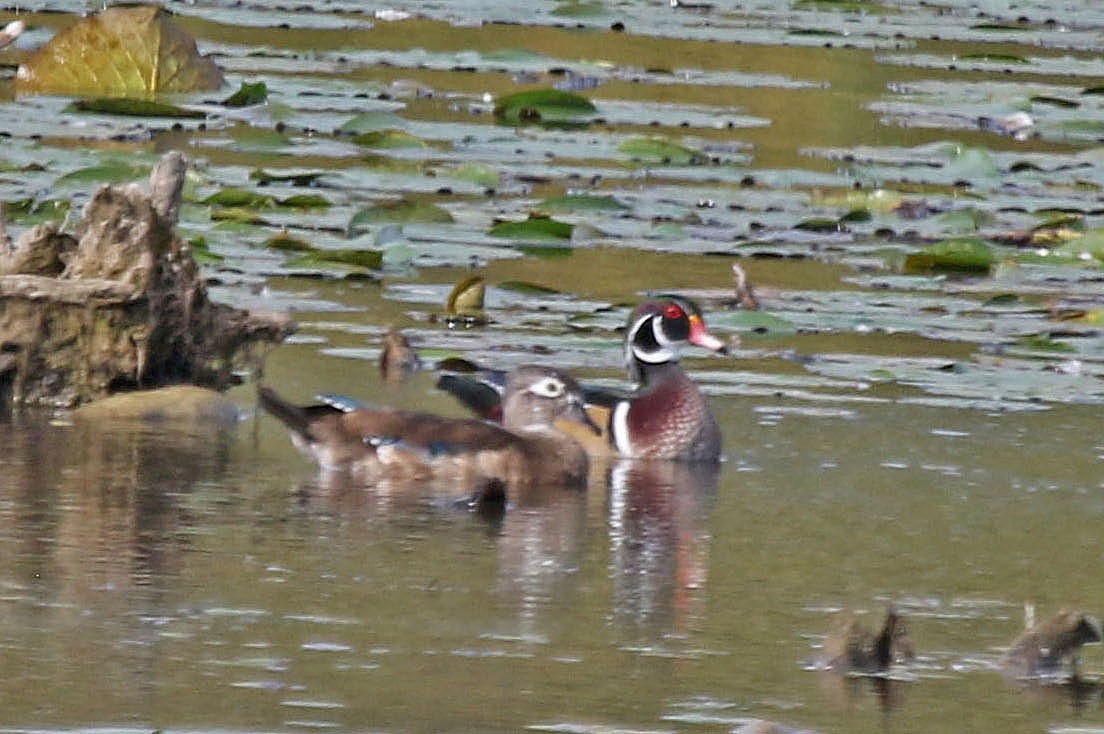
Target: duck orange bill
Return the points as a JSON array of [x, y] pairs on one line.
[[700, 335]]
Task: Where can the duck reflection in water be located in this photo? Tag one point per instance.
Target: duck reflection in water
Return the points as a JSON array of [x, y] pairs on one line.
[[539, 547], [659, 538]]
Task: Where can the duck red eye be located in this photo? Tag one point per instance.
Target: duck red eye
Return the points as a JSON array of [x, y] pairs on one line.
[[673, 311]]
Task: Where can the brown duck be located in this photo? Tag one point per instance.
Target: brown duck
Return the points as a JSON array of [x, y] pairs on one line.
[[851, 647], [1052, 646], [383, 443]]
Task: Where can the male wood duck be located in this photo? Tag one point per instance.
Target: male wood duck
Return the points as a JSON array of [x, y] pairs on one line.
[[666, 417], [383, 443]]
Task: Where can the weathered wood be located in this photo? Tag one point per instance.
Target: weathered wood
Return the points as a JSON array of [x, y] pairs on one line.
[[118, 306]]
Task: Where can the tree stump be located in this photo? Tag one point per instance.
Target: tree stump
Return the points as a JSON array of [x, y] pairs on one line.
[[119, 305]]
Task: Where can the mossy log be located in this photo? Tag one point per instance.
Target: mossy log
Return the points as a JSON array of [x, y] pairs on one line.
[[119, 305]]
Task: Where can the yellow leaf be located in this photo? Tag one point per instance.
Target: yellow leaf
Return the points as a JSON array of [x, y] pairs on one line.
[[122, 52]]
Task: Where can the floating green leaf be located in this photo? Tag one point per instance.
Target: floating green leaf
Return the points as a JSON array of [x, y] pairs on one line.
[[1068, 104], [581, 203], [306, 201], [388, 139], [1089, 244], [201, 251], [403, 210], [971, 165], [819, 224], [237, 215], [1044, 344], [965, 254], [121, 52], [373, 121], [240, 198], [547, 106], [757, 322], [662, 151], [132, 108], [369, 259], [247, 95], [284, 241], [547, 252], [295, 179], [861, 214], [33, 211], [478, 173], [113, 171], [533, 228], [995, 58]]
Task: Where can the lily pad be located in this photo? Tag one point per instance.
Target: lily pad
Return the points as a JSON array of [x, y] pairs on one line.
[[547, 106], [240, 198], [306, 202], [33, 211], [581, 203], [113, 171], [966, 254], [478, 173], [367, 259], [533, 228], [403, 211], [133, 107], [201, 251], [308, 178], [121, 52], [247, 95], [662, 151], [284, 241], [388, 139], [373, 121]]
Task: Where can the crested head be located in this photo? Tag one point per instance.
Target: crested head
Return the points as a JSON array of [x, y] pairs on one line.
[[660, 327], [536, 396]]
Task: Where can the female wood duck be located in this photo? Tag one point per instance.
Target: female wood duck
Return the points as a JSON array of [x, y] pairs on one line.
[[382, 443], [666, 417]]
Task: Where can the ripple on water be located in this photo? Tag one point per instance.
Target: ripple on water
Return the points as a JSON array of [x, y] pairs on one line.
[[316, 705], [325, 646], [568, 727]]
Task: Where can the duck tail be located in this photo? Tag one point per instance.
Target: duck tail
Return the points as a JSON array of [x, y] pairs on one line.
[[292, 416]]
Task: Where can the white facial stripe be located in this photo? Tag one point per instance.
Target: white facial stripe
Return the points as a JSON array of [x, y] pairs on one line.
[[549, 387], [630, 350], [657, 329], [620, 428]]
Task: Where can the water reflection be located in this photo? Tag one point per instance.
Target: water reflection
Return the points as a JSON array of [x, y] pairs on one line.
[[847, 691], [539, 548], [659, 546], [100, 505], [98, 521]]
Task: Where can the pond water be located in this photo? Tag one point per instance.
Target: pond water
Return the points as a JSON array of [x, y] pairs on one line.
[[892, 434]]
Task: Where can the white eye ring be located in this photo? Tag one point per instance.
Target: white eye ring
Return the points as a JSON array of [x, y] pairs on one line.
[[549, 387]]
